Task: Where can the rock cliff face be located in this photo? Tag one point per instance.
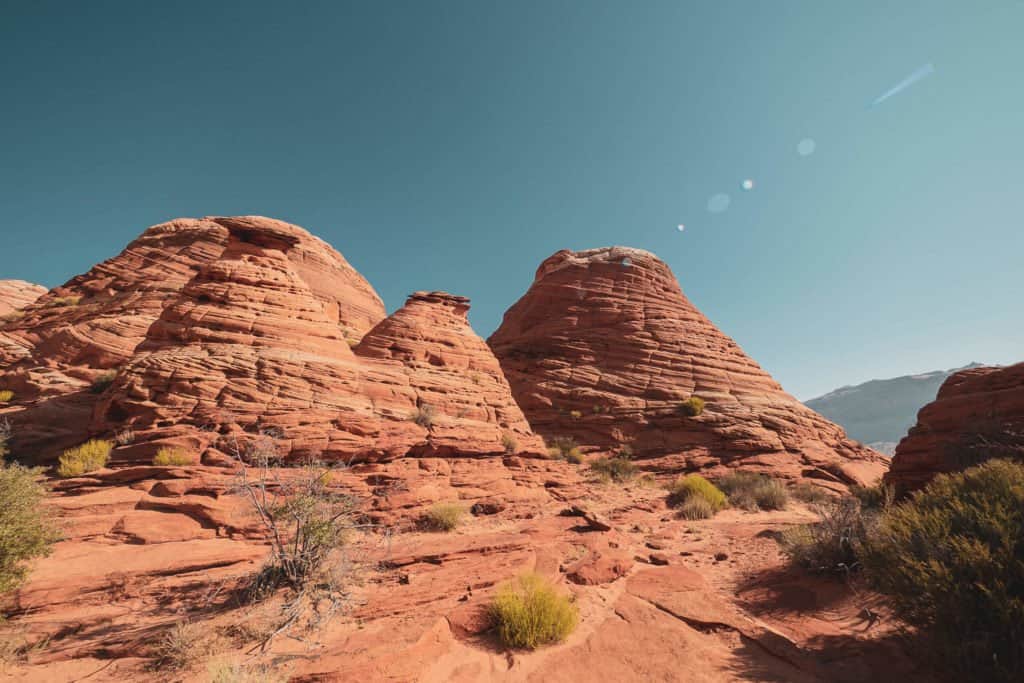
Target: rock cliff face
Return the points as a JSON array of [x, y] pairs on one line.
[[605, 348], [221, 329], [978, 414], [16, 294]]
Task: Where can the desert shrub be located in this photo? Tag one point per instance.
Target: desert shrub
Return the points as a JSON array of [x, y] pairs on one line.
[[6, 395], [565, 447], [125, 437], [26, 529], [103, 381], [809, 493], [184, 645], [90, 456], [877, 497], [613, 469], [625, 451], [692, 407], [753, 491], [424, 416], [12, 317], [509, 443], [831, 544], [696, 486], [62, 301], [696, 507], [444, 516], [168, 456], [529, 612], [5, 436], [951, 561], [576, 414], [228, 671]]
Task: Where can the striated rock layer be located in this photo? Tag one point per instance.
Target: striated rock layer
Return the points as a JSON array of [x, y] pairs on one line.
[[978, 414], [604, 348], [221, 329], [16, 294]]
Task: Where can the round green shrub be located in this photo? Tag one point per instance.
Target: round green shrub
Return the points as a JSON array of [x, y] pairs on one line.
[[26, 530], [951, 561], [529, 612], [696, 486]]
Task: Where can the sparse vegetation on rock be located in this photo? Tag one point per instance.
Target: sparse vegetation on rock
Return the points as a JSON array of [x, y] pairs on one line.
[[91, 455], [807, 492], [169, 456], [444, 516], [184, 646], [509, 443], [26, 528], [565, 447], [6, 395], [5, 436], [692, 407], [103, 381], [424, 416], [832, 544], [529, 612], [616, 470], [951, 561], [753, 491]]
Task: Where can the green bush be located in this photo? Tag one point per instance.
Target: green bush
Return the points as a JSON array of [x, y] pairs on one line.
[[877, 497], [102, 381], [6, 395], [565, 447], [444, 516], [832, 544], [614, 469], [696, 486], [753, 491], [26, 529], [951, 561], [529, 612], [91, 455], [168, 456], [692, 407], [809, 493], [694, 508]]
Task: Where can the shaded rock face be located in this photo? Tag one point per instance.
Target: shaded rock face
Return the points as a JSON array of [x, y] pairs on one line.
[[234, 327], [978, 414], [16, 294], [604, 348]]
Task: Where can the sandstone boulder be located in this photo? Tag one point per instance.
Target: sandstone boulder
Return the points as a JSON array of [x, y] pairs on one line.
[[977, 414]]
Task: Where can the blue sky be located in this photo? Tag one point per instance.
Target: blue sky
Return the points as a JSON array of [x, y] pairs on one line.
[[454, 145]]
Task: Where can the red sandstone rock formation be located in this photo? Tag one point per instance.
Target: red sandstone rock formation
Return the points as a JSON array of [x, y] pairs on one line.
[[17, 294], [222, 328], [604, 348], [978, 414]]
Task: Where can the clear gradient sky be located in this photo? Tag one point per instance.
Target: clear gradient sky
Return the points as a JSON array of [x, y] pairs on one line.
[[454, 145]]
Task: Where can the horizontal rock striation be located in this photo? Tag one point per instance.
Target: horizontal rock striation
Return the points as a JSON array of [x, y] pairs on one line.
[[605, 348], [978, 414]]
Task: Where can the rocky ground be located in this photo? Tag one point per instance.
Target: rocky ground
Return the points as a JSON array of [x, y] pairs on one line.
[[660, 598]]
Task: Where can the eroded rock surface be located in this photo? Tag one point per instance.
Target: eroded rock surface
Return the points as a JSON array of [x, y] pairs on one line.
[[977, 414], [605, 348], [17, 294]]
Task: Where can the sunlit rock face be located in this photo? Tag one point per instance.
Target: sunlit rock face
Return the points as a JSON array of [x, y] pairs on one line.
[[978, 414], [215, 330], [605, 348]]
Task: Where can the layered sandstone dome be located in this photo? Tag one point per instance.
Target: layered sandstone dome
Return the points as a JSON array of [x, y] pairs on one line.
[[16, 294], [977, 414], [604, 348], [223, 328]]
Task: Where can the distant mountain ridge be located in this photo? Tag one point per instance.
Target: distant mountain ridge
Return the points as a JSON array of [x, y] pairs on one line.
[[879, 412]]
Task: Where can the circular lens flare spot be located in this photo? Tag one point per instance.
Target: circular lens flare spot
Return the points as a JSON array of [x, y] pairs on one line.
[[680, 227], [805, 147], [719, 202], [747, 184]]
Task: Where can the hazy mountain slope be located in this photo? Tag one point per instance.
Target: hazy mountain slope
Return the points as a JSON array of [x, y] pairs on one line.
[[882, 410]]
